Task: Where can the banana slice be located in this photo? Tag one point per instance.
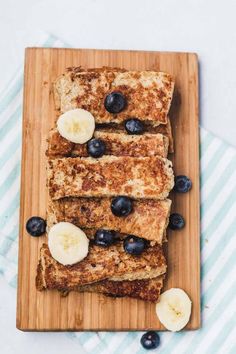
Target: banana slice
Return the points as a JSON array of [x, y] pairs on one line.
[[174, 309], [68, 244], [76, 125]]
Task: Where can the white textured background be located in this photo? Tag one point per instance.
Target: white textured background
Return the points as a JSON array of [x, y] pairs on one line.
[[207, 27]]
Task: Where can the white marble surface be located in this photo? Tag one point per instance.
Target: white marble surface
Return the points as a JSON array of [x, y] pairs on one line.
[[207, 27]]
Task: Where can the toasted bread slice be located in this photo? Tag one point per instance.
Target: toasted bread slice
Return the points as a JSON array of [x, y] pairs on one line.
[[144, 289], [164, 129], [148, 93], [137, 177], [101, 263], [148, 220], [117, 144], [55, 215]]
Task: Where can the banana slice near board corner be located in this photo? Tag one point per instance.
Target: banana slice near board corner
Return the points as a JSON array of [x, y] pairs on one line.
[[76, 125], [68, 244], [174, 309]]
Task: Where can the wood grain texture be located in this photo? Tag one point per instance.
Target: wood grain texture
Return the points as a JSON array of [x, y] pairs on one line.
[[40, 311]]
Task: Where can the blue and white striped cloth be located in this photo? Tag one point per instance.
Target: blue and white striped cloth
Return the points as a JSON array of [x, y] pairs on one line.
[[218, 239]]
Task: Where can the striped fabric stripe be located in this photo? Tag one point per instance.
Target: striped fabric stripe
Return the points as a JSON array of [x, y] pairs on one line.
[[218, 225]]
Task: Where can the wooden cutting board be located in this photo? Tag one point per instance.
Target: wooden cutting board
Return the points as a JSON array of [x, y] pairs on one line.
[[44, 311]]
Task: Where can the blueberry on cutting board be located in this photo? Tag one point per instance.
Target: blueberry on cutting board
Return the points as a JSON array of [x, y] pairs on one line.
[[176, 221], [115, 102], [36, 226], [182, 184], [150, 340]]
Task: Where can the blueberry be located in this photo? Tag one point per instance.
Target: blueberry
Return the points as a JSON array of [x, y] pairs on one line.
[[134, 245], [134, 126], [96, 148], [150, 340], [36, 226], [104, 238], [182, 184], [176, 222], [115, 102], [121, 206]]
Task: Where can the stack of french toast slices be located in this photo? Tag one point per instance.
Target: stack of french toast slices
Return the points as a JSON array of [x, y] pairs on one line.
[[81, 188]]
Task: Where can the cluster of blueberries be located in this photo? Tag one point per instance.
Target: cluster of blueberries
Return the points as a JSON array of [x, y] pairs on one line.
[[114, 103], [121, 206]]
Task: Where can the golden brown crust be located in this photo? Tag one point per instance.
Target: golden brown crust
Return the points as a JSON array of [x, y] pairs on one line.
[[135, 166], [148, 93], [144, 289], [101, 263], [117, 144], [137, 177], [148, 219]]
